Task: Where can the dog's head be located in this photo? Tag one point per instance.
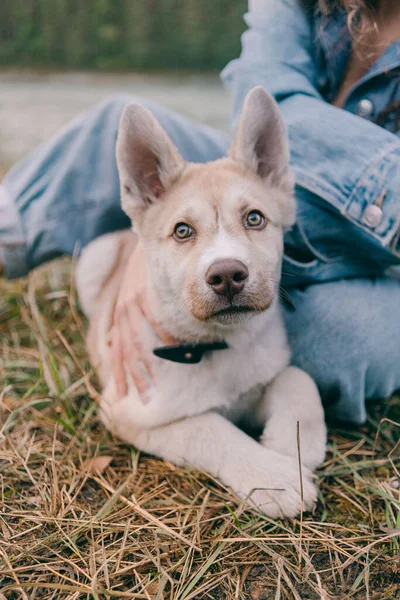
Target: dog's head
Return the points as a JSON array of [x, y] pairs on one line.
[[212, 233]]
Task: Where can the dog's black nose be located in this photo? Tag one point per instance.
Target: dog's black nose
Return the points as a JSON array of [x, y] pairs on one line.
[[227, 277]]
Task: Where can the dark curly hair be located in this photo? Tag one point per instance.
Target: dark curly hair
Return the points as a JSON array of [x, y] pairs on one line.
[[361, 17], [360, 13]]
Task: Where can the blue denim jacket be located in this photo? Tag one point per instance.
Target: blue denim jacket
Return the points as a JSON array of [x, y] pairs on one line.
[[347, 168]]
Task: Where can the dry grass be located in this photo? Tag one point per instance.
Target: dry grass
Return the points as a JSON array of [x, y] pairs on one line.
[[131, 526]]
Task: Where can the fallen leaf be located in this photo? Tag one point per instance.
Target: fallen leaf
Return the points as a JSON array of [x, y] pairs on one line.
[[36, 500], [98, 464], [152, 587]]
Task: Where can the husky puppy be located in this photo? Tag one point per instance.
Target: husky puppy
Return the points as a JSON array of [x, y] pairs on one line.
[[212, 235]]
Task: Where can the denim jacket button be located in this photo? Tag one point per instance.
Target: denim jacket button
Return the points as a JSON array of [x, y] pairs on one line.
[[372, 216], [365, 108]]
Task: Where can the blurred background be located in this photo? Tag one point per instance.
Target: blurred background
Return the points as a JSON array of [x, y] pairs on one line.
[[59, 57]]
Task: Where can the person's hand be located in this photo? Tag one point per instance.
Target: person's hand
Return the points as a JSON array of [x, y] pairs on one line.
[[132, 314]]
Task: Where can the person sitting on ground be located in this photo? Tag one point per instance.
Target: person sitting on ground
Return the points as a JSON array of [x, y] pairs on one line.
[[333, 67]]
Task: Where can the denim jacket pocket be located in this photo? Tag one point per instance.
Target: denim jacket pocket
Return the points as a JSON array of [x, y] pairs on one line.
[[297, 274], [302, 261]]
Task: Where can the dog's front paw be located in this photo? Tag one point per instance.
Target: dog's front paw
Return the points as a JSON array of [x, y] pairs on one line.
[[274, 486], [312, 442]]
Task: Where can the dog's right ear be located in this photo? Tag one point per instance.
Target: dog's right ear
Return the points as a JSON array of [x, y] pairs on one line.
[[148, 162], [262, 145], [261, 141]]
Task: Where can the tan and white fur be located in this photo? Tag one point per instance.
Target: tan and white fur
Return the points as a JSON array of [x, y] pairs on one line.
[[191, 413]]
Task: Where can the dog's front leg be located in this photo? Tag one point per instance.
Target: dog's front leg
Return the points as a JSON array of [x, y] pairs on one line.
[[293, 397], [212, 443]]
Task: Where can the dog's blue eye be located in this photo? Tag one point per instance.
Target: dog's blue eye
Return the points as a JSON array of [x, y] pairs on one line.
[[255, 219], [182, 231]]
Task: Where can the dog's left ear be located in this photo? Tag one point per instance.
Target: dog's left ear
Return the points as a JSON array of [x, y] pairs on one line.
[[261, 144], [148, 162]]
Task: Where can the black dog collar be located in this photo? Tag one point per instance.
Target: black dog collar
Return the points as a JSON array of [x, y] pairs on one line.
[[188, 354]]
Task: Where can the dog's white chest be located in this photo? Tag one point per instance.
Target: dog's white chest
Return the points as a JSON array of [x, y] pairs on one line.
[[224, 380]]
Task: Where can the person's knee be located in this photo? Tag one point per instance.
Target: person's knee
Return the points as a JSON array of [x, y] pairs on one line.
[[344, 335], [116, 103]]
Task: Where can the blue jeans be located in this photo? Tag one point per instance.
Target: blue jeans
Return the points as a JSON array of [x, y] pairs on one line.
[[66, 193]]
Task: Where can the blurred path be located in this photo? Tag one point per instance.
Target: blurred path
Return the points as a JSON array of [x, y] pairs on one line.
[[34, 106]]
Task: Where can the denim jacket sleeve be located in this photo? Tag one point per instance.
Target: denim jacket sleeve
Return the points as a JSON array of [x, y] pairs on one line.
[[342, 162]]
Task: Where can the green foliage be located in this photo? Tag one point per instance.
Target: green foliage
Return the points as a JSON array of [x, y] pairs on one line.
[[120, 34]]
